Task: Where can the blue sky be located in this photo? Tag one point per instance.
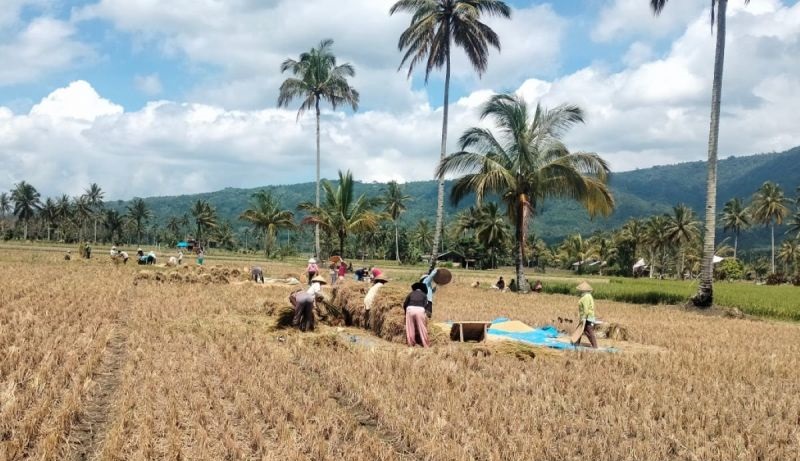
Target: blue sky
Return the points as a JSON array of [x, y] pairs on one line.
[[159, 87]]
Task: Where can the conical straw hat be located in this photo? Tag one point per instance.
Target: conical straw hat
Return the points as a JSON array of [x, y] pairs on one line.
[[584, 287]]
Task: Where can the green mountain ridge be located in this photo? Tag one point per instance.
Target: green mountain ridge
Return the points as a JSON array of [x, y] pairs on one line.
[[638, 193]]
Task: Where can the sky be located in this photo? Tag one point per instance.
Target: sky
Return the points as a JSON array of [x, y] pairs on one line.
[[170, 97]]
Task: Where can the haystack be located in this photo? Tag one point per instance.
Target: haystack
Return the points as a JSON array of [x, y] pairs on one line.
[[175, 277]]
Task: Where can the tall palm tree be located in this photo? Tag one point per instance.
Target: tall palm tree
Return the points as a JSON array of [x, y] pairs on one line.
[[705, 292], [224, 236], [634, 231], [5, 208], [318, 78], [657, 238], [435, 26], [94, 195], [527, 164], [266, 215], [26, 203], [681, 230], [735, 217], [577, 251], [769, 208], [138, 214], [422, 234], [394, 204], [82, 211], [175, 226], [49, 214], [789, 255], [342, 212], [114, 224], [794, 225], [491, 230], [205, 217]]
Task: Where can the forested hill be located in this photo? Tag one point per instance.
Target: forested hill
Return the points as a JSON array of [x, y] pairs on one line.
[[638, 193]]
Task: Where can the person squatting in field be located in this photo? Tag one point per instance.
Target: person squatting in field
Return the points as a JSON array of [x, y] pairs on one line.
[[256, 274], [416, 307], [145, 259], [587, 314]]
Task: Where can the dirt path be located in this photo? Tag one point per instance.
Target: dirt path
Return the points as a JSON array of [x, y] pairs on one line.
[[88, 433]]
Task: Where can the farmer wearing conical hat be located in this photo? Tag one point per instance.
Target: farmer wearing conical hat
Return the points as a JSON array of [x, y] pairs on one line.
[[586, 312], [303, 302], [415, 308]]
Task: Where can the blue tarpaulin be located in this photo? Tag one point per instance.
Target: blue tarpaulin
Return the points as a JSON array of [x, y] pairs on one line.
[[183, 245], [544, 336]]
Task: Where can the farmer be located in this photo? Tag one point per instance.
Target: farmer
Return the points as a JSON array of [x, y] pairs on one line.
[[415, 307], [201, 257], [430, 289], [369, 299], [113, 252], [501, 284], [87, 251], [312, 269], [586, 312], [124, 256], [256, 274], [537, 287], [360, 273], [333, 271], [180, 257], [342, 270], [374, 272], [68, 255], [304, 304]]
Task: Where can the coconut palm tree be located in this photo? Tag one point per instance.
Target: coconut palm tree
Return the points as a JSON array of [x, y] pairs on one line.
[[527, 164], [205, 217], [317, 78], [49, 214], [5, 208], [422, 234], [735, 217], [138, 214], [437, 25], [26, 203], [266, 215], [789, 255], [223, 236], [342, 212], [394, 204], [794, 225], [705, 292], [769, 208], [82, 211], [94, 195], [577, 251], [681, 230], [491, 230], [114, 223], [656, 232]]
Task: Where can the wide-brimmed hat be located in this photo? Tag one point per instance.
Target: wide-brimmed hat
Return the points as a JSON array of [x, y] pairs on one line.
[[319, 279], [312, 261], [420, 286], [584, 287], [380, 278]]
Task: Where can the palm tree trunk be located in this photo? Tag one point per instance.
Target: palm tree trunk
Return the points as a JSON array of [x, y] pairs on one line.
[[440, 196], [316, 200], [772, 226], [705, 293], [342, 238], [266, 243], [25, 237], [520, 257], [95, 231], [735, 243], [396, 243], [652, 261]]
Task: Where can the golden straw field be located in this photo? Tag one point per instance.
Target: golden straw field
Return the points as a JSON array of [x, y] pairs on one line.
[[96, 367]]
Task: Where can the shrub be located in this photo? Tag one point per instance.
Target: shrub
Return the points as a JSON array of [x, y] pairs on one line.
[[796, 280], [776, 279], [730, 269]]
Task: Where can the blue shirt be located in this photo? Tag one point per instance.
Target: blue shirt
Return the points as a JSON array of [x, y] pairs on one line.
[[428, 281]]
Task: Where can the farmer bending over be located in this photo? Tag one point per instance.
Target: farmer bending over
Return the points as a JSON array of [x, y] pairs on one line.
[[415, 309]]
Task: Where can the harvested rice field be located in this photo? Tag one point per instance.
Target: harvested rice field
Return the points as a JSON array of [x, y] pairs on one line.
[[104, 362]]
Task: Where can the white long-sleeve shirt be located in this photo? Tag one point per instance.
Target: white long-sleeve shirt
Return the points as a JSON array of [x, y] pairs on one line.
[[369, 299]]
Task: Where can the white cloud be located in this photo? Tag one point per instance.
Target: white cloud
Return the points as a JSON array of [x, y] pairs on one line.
[[654, 111], [247, 41], [149, 85], [77, 101], [625, 18], [43, 46]]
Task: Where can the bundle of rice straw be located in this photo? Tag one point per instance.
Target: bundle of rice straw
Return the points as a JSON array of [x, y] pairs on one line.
[[175, 277], [613, 331], [349, 297], [283, 318]]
